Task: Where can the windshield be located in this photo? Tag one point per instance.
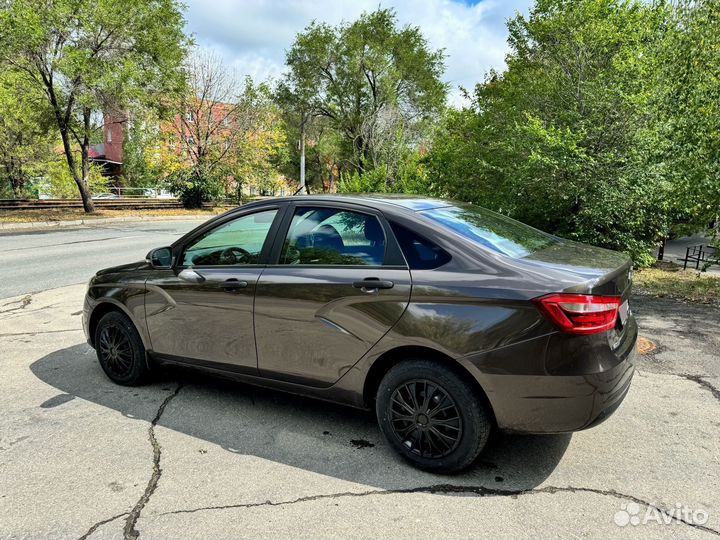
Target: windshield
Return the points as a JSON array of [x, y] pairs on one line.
[[491, 230]]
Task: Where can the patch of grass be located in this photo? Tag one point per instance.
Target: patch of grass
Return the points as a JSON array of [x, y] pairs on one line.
[[60, 214], [671, 281]]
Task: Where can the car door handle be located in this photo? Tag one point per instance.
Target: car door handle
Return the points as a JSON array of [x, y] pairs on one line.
[[373, 284], [232, 285]]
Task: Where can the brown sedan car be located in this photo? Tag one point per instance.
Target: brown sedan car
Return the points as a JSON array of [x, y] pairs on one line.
[[444, 317]]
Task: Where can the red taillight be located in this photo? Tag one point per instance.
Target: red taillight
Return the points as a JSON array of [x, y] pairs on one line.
[[580, 313]]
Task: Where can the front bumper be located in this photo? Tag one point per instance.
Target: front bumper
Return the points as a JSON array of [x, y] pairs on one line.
[[87, 310]]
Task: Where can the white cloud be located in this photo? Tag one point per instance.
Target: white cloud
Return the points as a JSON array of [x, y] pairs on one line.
[[253, 35]]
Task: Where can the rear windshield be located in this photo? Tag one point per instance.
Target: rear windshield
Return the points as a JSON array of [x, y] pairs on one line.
[[491, 230]]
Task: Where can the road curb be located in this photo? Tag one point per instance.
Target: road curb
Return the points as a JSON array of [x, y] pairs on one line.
[[34, 225]]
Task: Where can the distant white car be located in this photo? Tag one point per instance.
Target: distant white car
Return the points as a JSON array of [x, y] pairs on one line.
[[105, 196]]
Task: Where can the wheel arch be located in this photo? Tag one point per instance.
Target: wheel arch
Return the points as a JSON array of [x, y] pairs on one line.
[[391, 358], [103, 308]]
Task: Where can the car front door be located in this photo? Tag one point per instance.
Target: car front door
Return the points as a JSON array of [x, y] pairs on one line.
[[337, 285], [201, 309]]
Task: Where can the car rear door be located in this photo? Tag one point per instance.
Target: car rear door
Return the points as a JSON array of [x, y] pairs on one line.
[[339, 282], [201, 310]]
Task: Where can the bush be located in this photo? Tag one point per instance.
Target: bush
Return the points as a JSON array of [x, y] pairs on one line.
[[195, 186], [372, 181], [58, 182], [411, 177]]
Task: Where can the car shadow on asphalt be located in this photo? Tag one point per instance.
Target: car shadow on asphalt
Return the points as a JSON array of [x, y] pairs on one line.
[[316, 436]]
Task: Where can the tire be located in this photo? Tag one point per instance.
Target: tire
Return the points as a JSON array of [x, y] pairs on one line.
[[457, 424], [120, 350]]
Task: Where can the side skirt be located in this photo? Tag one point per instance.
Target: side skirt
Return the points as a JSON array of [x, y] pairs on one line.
[[250, 376]]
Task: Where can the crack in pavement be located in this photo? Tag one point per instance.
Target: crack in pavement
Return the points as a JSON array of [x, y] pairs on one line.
[[23, 304], [18, 312], [129, 531], [40, 332], [697, 379], [702, 382], [14, 301], [100, 524], [481, 491]]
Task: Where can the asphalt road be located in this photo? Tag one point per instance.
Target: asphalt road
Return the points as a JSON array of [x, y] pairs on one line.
[[190, 456], [45, 259]]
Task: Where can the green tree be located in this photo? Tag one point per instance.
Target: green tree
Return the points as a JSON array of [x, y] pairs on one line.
[[260, 153], [90, 57], [561, 138], [57, 182], [25, 137], [358, 77], [687, 108], [225, 130], [141, 148]]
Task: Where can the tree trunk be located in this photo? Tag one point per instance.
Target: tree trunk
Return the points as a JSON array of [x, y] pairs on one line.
[[16, 176], [17, 179], [80, 180], [85, 163], [360, 154], [661, 251], [302, 154]]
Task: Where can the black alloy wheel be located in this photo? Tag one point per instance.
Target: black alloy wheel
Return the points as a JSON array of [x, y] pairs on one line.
[[425, 419], [120, 350], [432, 415], [115, 349]]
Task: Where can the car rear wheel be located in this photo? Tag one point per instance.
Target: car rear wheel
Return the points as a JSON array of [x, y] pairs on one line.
[[431, 416], [120, 350]]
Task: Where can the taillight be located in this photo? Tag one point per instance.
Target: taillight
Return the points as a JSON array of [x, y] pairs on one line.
[[580, 313]]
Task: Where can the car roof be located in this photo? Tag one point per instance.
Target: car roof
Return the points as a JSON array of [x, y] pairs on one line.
[[413, 203]]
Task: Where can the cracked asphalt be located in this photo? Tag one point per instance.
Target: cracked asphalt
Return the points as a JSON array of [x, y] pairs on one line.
[[191, 456]]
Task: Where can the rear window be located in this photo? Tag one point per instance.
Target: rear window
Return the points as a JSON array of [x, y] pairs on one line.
[[420, 253], [491, 230]]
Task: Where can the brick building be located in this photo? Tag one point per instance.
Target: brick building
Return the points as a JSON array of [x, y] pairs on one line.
[[109, 153]]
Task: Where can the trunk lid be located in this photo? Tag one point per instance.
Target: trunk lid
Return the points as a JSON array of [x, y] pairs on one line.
[[596, 270]]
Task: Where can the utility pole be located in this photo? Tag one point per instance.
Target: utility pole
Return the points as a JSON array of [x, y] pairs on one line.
[[302, 153]]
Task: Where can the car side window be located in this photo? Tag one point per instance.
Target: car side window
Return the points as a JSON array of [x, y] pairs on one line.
[[236, 242], [332, 236], [420, 253]]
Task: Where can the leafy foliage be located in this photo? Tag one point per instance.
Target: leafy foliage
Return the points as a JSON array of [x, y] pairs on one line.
[[604, 128], [89, 57], [221, 139], [687, 108], [411, 176], [25, 137], [57, 182], [141, 159], [194, 186], [368, 81], [559, 139]]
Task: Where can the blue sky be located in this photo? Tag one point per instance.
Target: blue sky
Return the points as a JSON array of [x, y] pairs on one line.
[[253, 35]]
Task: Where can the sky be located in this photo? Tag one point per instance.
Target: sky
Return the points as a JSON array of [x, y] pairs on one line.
[[252, 36]]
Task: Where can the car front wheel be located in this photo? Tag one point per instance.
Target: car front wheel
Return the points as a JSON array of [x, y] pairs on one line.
[[431, 416], [120, 350]]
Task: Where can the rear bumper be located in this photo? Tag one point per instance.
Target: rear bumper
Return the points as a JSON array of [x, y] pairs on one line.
[[584, 380], [558, 404]]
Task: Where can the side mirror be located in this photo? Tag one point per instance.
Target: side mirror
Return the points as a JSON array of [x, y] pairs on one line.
[[160, 257]]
